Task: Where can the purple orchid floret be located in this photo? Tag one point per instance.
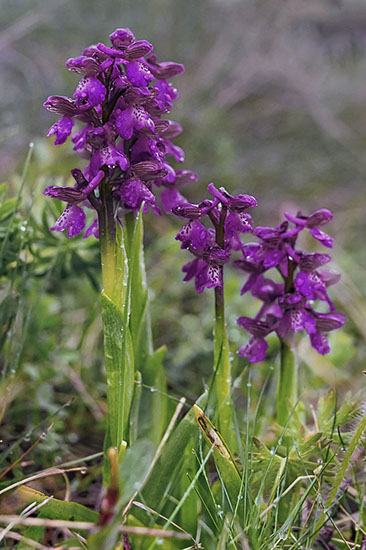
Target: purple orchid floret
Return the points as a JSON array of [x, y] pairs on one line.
[[115, 122], [288, 307], [61, 129], [211, 246]]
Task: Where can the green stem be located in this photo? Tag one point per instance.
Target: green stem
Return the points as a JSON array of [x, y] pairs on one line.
[[220, 398], [221, 383], [113, 256], [287, 385]]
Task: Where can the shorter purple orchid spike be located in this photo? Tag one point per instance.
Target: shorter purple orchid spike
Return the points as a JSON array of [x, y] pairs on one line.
[[288, 306], [211, 246]]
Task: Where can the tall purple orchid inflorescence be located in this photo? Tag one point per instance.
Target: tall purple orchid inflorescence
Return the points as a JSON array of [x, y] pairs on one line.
[[119, 102], [288, 306]]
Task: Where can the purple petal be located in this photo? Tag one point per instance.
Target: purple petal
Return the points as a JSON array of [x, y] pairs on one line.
[[257, 328], [138, 74], [83, 65], [165, 70], [138, 49], [193, 234], [213, 276], [134, 116], [310, 262], [320, 343], [60, 105], [93, 229], [171, 198], [319, 218], [308, 284], [329, 321], [121, 37], [61, 129], [90, 92], [73, 219], [255, 350], [67, 194], [237, 222], [322, 237]]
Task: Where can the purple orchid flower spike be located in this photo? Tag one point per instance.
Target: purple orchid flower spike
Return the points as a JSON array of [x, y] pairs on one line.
[[211, 246], [288, 307], [119, 101]]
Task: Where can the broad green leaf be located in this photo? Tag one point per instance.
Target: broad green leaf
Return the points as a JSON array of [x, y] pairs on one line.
[[139, 322], [224, 462], [189, 511], [53, 509], [153, 412], [120, 373], [133, 469], [170, 464]]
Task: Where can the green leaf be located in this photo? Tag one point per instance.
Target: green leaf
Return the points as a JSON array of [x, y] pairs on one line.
[[167, 468], [133, 469], [153, 413], [224, 462], [154, 403], [120, 373], [140, 330], [7, 208], [53, 509]]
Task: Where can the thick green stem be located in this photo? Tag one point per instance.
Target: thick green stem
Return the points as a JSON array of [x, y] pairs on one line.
[[287, 385], [113, 255]]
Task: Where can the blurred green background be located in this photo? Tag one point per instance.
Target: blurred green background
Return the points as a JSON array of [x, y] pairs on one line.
[[273, 104]]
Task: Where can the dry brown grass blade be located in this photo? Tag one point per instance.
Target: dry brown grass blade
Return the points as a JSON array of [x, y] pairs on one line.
[[87, 525], [31, 543], [45, 473]]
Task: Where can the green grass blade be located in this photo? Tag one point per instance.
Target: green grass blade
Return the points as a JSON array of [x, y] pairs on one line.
[[341, 474]]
